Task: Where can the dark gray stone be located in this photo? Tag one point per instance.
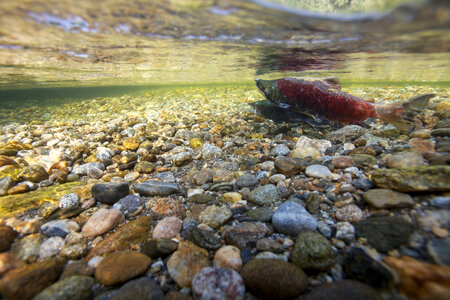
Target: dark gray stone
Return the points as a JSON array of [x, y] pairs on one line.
[[246, 180], [261, 214], [205, 239], [74, 288], [110, 193], [129, 205], [264, 195], [343, 290], [439, 250], [151, 188]]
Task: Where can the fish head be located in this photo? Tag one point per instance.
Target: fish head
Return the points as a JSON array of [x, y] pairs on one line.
[[264, 87]]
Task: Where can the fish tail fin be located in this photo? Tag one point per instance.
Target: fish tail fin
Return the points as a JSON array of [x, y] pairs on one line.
[[403, 116]]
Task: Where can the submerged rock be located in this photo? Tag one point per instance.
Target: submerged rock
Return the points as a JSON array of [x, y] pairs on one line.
[[312, 251]]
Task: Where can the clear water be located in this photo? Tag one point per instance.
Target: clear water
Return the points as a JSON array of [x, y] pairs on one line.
[[59, 49]]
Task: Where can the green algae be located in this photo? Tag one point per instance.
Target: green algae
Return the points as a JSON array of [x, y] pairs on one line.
[[14, 204]]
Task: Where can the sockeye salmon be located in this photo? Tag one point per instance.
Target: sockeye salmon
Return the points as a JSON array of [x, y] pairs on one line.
[[323, 99]]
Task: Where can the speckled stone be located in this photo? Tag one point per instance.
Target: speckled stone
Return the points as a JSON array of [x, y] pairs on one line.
[[264, 195], [218, 283], [312, 251], [262, 214], [69, 200], [102, 221], [245, 234], [83, 169], [121, 266], [405, 159], [34, 173], [214, 216], [59, 227], [342, 162], [204, 238], [27, 248], [345, 231], [168, 228], [186, 262], [274, 279], [289, 166], [349, 213], [74, 288], [228, 257], [51, 247], [280, 149], [291, 218], [318, 171], [110, 193], [130, 205], [385, 198], [151, 188], [144, 167]]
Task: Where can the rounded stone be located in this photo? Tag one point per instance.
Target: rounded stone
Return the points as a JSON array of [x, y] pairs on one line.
[[264, 195], [291, 218], [59, 228], [280, 149], [34, 173], [343, 290], [342, 162], [74, 288], [168, 228], [186, 262], [131, 143], [144, 167], [129, 206], [205, 239], [349, 213], [228, 257], [102, 221], [159, 248], [214, 216], [405, 159], [218, 283], [51, 247], [152, 188], [385, 198], [142, 288], [121, 266], [262, 214], [274, 279], [7, 236], [345, 231], [110, 193], [312, 251], [318, 171], [69, 200]]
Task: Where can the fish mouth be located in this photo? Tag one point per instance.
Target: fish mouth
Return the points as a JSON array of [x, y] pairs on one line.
[[263, 86]]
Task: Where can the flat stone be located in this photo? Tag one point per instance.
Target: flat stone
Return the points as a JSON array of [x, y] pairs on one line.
[[6, 183], [267, 244], [280, 149], [203, 176], [438, 249], [421, 146], [186, 262], [345, 134], [110, 193], [201, 198], [318, 171], [290, 166], [385, 198], [25, 282], [138, 289], [215, 216], [168, 228], [343, 290], [291, 218], [415, 179], [102, 221], [405, 159], [384, 233], [264, 195], [134, 232], [74, 288], [130, 205], [261, 214], [312, 251], [228, 257], [210, 151], [342, 162], [205, 239], [274, 279], [360, 265], [7, 236], [59, 228], [218, 283], [245, 234], [310, 147], [152, 188], [121, 266]]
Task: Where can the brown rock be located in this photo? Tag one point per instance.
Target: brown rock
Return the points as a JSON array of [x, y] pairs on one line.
[[419, 280], [23, 283], [168, 207], [34, 173], [121, 266], [349, 213], [167, 228], [8, 262], [342, 162], [132, 233], [102, 221], [7, 236], [77, 267], [131, 143], [186, 262], [421, 146], [228, 257], [290, 166], [245, 234], [5, 161]]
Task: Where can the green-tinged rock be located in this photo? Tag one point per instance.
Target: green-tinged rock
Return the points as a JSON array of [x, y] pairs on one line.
[[312, 251], [384, 233], [274, 279], [364, 160], [214, 216], [264, 195], [11, 171], [74, 288], [414, 179], [27, 248], [11, 148], [34, 173], [133, 232], [385, 198], [14, 204], [25, 282]]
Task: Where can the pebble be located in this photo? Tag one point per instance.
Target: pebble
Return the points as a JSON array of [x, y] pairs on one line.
[[121, 266], [231, 197], [168, 228], [438, 249], [218, 283], [405, 159], [273, 279], [385, 198], [345, 231], [144, 167], [245, 234], [159, 248], [27, 249], [210, 151], [215, 216], [261, 214], [138, 289], [264, 195], [201, 198], [205, 239], [129, 206], [59, 228], [228, 257], [51, 247], [347, 133], [342, 162], [8, 262], [186, 262], [152, 188], [384, 233], [203, 176], [34, 173], [110, 193], [291, 218], [74, 288], [132, 176], [69, 200], [318, 171], [441, 202], [290, 166], [344, 290], [7, 236], [280, 150], [267, 244], [312, 251], [246, 180], [349, 213], [102, 221], [310, 147], [421, 146], [83, 169], [6, 183]]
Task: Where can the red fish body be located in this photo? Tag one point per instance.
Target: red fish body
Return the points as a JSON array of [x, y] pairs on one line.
[[322, 98]]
